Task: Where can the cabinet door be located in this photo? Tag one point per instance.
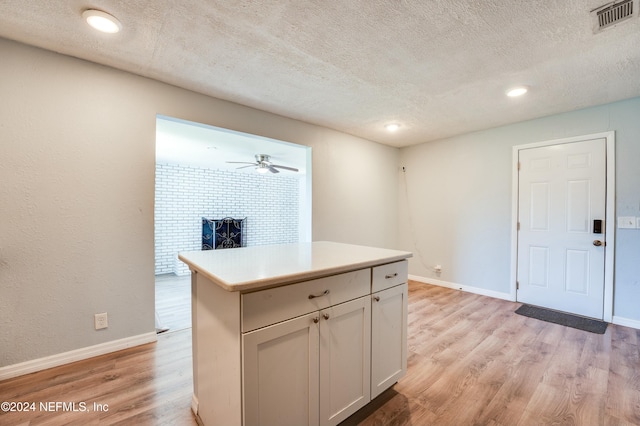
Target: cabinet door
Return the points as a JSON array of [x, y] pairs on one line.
[[345, 359], [388, 338], [280, 373]]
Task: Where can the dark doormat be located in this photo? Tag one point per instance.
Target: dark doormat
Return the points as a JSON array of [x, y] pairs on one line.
[[581, 323]]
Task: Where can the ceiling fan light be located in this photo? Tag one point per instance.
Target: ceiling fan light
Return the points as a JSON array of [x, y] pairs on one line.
[[102, 21], [262, 168]]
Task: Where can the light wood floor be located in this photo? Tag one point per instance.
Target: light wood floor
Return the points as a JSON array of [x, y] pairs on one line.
[[146, 385], [472, 361], [173, 301]]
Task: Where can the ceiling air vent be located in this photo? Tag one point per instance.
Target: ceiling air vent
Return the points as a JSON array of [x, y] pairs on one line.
[[613, 13]]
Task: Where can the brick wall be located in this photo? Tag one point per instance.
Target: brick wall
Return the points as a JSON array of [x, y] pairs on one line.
[[186, 194]]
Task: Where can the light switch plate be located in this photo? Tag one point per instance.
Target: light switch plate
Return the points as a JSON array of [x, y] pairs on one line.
[[626, 222]]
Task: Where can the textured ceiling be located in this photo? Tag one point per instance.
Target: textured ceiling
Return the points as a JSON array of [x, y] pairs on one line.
[[438, 67]]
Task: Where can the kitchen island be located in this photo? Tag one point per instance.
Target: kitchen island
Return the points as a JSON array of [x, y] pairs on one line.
[[304, 333]]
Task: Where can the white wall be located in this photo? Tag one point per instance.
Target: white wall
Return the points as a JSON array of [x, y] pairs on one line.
[[458, 209], [77, 189], [185, 194]]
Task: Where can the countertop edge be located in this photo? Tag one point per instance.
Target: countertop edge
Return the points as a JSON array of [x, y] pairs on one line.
[[282, 280]]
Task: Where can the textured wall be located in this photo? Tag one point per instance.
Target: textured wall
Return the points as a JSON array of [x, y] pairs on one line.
[[77, 194], [76, 205], [186, 194], [455, 200]]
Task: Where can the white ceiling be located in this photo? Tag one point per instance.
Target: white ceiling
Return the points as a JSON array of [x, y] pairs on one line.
[[196, 145], [437, 67]]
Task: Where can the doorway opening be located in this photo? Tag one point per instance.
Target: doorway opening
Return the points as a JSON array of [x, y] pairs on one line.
[[205, 172], [563, 226]]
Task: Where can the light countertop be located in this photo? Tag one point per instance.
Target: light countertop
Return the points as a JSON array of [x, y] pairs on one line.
[[257, 267]]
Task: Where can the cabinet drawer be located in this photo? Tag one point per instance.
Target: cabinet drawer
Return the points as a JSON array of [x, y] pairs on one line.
[[390, 275], [273, 305]]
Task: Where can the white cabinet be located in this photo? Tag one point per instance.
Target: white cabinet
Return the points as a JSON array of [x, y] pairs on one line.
[[281, 374], [389, 275], [388, 337], [345, 356], [266, 307], [388, 325], [313, 369], [308, 353]]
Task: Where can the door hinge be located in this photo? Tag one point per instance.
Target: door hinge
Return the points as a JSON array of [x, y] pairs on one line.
[[518, 226], [517, 285], [518, 165]]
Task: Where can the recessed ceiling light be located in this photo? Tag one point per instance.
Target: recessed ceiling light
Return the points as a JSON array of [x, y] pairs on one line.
[[517, 91], [102, 21], [392, 127]]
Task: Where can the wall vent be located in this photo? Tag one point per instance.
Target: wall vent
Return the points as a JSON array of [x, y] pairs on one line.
[[613, 13]]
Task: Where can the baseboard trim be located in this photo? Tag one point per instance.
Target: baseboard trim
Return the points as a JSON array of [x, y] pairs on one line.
[[194, 408], [466, 288], [32, 366], [627, 322], [194, 404]]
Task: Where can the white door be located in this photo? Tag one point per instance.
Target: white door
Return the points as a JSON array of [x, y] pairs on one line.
[[561, 193], [388, 338], [345, 359], [280, 370]]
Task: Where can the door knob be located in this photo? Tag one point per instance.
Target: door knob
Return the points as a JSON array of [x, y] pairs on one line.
[[598, 243]]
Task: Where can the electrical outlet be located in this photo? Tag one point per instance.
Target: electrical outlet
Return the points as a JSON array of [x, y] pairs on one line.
[[626, 222], [100, 321], [437, 268]]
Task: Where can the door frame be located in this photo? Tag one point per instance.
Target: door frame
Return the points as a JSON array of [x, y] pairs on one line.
[[610, 221]]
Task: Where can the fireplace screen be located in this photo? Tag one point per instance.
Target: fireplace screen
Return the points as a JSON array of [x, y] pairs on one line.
[[223, 233]]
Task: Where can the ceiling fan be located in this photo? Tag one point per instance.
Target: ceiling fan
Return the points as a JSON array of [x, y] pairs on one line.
[[264, 165]]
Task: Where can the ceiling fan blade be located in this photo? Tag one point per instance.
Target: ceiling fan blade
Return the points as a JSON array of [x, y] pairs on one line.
[[293, 169], [272, 170], [241, 162], [244, 167]]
